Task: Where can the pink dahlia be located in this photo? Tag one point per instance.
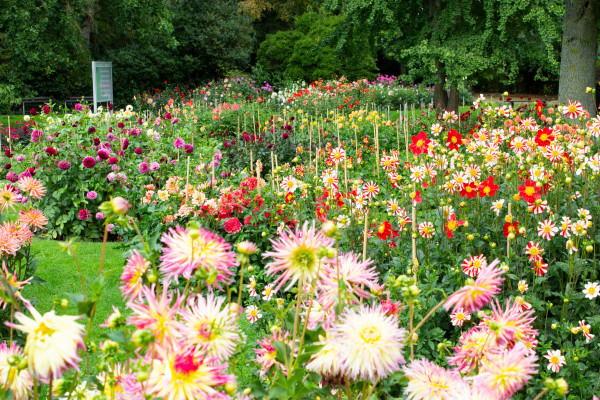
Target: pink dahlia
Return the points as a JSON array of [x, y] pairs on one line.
[[84, 214], [512, 323], [89, 162], [187, 252], [19, 381], [295, 254], [477, 294], [233, 225], [133, 273]]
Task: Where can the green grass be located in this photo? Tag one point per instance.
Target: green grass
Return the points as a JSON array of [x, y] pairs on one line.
[[59, 272], [14, 118]]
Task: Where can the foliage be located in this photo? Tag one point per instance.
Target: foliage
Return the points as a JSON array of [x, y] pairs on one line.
[[300, 54]]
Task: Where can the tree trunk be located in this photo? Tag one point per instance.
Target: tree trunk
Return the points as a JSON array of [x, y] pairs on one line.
[[440, 97], [578, 56], [453, 99]]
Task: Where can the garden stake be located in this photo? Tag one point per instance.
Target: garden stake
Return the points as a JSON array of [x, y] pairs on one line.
[[258, 169], [187, 180]]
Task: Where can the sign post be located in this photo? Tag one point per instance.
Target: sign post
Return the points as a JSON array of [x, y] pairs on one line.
[[103, 82]]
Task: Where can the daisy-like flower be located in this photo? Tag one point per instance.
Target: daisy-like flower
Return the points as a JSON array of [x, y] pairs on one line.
[[295, 255], [522, 286], [132, 276], [268, 292], [252, 287], [555, 360], [547, 229], [591, 290], [476, 294], [534, 251], [427, 381], [371, 343], [16, 285], [370, 189], [585, 328], [459, 316], [497, 206], [158, 315], [337, 155], [289, 184], [507, 372], [540, 267], [18, 381], [426, 229], [394, 207], [34, 218], [573, 109], [253, 314], [452, 224], [207, 324], [565, 227], [354, 273], [32, 186], [473, 264], [53, 342], [186, 373], [188, 251], [571, 247]]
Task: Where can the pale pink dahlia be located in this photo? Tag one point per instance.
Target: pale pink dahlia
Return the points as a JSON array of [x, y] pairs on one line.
[[53, 342], [209, 324], [427, 380], [132, 276], [354, 273], [18, 381], [371, 343], [189, 251], [511, 324], [295, 254], [477, 294], [504, 374]]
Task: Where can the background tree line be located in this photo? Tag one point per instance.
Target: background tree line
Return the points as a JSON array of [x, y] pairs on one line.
[[46, 47]]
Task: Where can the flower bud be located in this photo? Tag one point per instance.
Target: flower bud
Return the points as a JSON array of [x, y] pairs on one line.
[[120, 205], [562, 387], [142, 337]]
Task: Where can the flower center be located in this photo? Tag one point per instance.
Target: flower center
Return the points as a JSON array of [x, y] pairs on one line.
[[420, 143], [543, 137], [530, 191], [185, 364], [452, 225], [370, 334], [303, 258]]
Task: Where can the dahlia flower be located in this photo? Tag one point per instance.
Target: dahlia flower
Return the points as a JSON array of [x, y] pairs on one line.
[[511, 324], [208, 325], [354, 273], [371, 343], [132, 276], [507, 372], [33, 187], [477, 294], [204, 250], [326, 361], [53, 342], [158, 315], [186, 373], [34, 218], [295, 254], [18, 381], [429, 381]]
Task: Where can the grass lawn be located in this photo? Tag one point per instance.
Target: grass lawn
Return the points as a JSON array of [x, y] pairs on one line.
[[61, 278]]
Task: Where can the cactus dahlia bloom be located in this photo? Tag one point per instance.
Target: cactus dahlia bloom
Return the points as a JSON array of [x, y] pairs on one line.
[[207, 324], [53, 342], [159, 315], [186, 373], [477, 294], [132, 276], [185, 253], [429, 381], [371, 343], [18, 381], [295, 255], [505, 373]]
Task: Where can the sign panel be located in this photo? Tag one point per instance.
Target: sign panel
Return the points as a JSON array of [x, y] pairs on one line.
[[103, 82]]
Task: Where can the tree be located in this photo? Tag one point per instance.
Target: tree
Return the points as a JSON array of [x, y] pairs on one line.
[[213, 37], [301, 53], [448, 42], [579, 52]]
